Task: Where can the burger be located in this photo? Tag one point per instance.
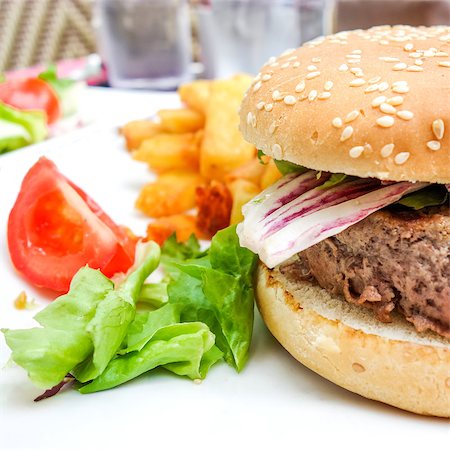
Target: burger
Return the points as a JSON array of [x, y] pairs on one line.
[[354, 239]]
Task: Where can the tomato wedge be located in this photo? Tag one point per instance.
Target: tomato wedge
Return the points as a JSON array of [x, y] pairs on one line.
[[31, 94], [55, 228]]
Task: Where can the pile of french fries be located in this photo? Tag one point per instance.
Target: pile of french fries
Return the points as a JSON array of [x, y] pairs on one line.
[[205, 170]]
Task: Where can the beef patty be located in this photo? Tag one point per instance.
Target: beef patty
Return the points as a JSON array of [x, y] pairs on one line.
[[390, 260]]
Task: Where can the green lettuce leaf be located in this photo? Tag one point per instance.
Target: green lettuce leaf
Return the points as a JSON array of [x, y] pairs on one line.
[[172, 250], [153, 295], [34, 126], [433, 195], [180, 347], [82, 330], [334, 180], [217, 290], [286, 167], [49, 353], [113, 316]]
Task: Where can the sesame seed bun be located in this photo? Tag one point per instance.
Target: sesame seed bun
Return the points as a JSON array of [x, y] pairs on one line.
[[370, 103], [391, 363]]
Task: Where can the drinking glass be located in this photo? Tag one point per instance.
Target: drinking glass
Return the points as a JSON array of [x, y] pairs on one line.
[[240, 35], [145, 43]]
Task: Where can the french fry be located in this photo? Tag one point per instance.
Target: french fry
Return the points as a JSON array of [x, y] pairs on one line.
[[181, 224], [214, 203], [251, 171], [165, 152], [180, 120], [242, 192], [172, 193], [137, 131], [223, 148], [195, 95], [270, 175]]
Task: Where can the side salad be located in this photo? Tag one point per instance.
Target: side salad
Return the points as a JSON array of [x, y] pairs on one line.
[[101, 334], [28, 107]]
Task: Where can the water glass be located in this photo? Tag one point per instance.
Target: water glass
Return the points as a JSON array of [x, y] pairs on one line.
[[145, 43], [240, 35]]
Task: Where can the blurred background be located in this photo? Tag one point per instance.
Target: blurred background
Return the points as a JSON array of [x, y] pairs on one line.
[[158, 44]]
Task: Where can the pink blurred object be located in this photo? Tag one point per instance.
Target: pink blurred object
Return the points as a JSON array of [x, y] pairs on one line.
[[88, 69]]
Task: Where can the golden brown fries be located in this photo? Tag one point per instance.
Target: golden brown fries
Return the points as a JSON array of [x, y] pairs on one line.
[[165, 152], [223, 148], [172, 193], [195, 95], [214, 203], [137, 131], [242, 192], [252, 171], [201, 160], [181, 224], [180, 120]]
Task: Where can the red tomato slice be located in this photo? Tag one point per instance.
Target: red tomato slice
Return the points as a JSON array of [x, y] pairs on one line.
[[54, 228], [31, 94]]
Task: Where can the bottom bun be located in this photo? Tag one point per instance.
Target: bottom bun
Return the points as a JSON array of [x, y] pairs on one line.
[[345, 344]]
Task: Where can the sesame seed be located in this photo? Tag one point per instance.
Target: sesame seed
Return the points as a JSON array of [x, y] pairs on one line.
[[434, 145], [351, 116], [266, 77], [337, 122], [384, 42], [399, 66], [293, 58], [311, 68], [343, 68], [356, 152], [441, 54], [346, 133], [285, 65], [290, 100], [374, 80], [249, 118], [272, 127], [357, 82], [388, 59], [257, 86], [324, 95], [395, 101], [418, 62], [268, 107], [312, 75], [383, 86], [415, 55], [400, 89], [444, 63], [438, 128], [276, 96], [387, 150], [405, 115], [414, 68], [377, 101], [296, 64], [300, 87], [351, 56], [328, 86], [401, 158], [275, 64], [271, 60], [408, 47], [260, 105], [372, 88], [312, 95], [254, 121], [387, 108], [355, 70], [276, 149], [385, 121], [316, 59]]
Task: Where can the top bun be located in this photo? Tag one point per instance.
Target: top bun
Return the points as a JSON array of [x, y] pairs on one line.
[[370, 103]]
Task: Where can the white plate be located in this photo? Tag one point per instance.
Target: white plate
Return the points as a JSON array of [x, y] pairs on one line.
[[274, 402]]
